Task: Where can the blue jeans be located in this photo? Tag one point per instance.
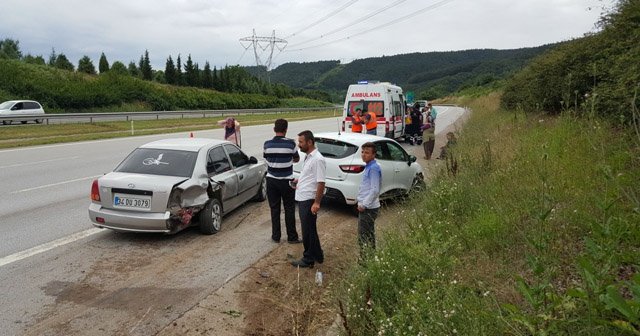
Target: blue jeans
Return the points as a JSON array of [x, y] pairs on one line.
[[373, 131]]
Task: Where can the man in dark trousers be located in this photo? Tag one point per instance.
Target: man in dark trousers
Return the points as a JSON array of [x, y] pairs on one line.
[[309, 192], [368, 198], [280, 154]]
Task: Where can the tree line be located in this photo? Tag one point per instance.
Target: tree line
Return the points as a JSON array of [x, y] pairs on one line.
[[597, 74], [178, 72]]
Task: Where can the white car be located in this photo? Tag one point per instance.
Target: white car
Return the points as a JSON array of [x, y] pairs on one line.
[[168, 185], [19, 109], [342, 152]]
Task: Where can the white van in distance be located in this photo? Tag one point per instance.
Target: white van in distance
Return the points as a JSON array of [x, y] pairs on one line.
[[385, 99]]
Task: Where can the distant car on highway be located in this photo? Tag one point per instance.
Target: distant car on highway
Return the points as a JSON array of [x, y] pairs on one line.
[[422, 103], [168, 185], [20, 108], [342, 152]]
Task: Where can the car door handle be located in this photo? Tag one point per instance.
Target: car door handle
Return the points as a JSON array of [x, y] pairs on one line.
[[397, 170], [241, 176]]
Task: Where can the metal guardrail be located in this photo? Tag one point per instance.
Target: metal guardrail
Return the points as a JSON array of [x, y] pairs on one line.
[[137, 115]]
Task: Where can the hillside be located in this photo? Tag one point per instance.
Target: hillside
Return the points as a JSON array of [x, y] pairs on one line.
[[63, 90], [429, 75]]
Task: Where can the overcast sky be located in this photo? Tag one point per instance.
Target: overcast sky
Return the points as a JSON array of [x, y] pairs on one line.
[[210, 30]]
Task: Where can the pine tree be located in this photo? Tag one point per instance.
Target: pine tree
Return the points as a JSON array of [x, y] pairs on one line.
[[133, 69], [52, 57], [215, 82], [103, 64], [170, 71], [10, 49], [179, 71], [190, 76], [86, 65], [206, 76], [119, 68], [62, 62], [145, 69]]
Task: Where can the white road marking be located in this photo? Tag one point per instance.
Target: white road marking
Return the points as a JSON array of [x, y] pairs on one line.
[[37, 162], [54, 184], [48, 246]]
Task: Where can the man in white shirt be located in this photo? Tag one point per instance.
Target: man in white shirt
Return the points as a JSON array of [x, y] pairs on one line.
[[309, 191]]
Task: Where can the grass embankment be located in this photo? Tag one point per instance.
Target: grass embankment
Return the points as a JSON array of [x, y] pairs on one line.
[[537, 233], [29, 135]]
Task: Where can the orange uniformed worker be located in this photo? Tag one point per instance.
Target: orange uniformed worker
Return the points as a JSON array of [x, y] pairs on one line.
[[356, 124], [371, 123]]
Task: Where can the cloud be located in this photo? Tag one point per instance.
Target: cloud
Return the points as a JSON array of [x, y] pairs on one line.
[[209, 30]]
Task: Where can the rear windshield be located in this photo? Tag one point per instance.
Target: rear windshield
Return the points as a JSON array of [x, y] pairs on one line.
[[159, 162], [335, 149], [376, 106]]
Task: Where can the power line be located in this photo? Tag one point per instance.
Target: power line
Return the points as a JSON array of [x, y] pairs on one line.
[[324, 18], [400, 19], [352, 23]]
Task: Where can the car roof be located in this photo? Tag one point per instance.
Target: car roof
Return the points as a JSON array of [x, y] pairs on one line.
[[185, 144], [20, 101], [350, 137]]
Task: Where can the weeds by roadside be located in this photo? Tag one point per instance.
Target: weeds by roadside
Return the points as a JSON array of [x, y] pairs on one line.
[[537, 233]]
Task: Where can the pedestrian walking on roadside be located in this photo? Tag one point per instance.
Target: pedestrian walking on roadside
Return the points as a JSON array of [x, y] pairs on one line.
[[434, 113], [429, 136], [368, 198], [231, 130], [281, 153], [309, 192]]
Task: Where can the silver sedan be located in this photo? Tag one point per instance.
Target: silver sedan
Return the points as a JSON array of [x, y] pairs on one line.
[[168, 185]]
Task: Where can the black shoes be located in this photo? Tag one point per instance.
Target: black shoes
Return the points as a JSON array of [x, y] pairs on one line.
[[297, 241], [302, 264]]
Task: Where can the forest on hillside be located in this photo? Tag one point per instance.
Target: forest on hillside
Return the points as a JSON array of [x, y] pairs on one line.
[[430, 75]]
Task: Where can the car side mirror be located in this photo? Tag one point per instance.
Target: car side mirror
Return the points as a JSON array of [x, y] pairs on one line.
[[13, 108], [253, 160], [412, 159]]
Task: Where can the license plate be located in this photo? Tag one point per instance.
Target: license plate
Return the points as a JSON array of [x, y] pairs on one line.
[[126, 201]]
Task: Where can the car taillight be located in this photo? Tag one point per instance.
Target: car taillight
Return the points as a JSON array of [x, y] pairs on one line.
[[343, 125], [352, 168], [95, 191]]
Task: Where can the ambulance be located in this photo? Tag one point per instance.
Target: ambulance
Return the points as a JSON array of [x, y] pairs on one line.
[[384, 99]]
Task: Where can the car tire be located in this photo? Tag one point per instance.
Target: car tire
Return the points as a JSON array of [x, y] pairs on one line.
[[23, 122], [418, 185], [6, 122], [262, 191], [211, 217], [38, 121]]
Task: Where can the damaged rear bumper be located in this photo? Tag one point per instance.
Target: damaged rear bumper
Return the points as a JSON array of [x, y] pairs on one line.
[[133, 221]]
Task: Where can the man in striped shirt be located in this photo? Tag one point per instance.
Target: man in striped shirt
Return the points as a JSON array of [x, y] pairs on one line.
[[280, 154]]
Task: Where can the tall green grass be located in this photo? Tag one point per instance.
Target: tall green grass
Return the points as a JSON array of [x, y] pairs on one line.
[[536, 234]]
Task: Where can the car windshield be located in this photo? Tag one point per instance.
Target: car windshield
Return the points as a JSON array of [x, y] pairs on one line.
[[159, 162], [6, 105], [336, 149]]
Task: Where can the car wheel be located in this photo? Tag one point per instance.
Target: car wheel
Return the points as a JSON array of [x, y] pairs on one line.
[[38, 121], [418, 185], [23, 122], [211, 217], [262, 191], [6, 122]]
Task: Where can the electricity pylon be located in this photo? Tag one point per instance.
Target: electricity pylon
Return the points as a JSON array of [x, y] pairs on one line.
[[263, 43]]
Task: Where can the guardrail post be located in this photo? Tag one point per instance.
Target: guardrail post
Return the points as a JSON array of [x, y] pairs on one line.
[[157, 117], [128, 118], [91, 120]]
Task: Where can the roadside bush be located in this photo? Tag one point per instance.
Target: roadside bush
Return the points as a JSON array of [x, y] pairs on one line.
[[536, 234], [61, 90], [597, 74]]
